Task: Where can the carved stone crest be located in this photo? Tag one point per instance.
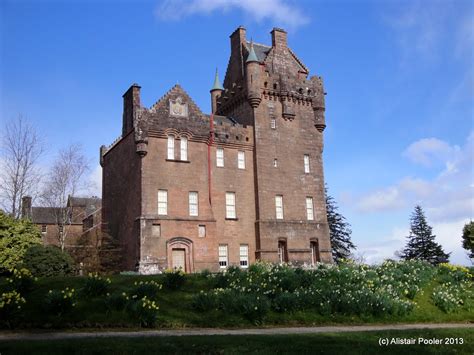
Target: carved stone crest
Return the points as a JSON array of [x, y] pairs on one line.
[[178, 108]]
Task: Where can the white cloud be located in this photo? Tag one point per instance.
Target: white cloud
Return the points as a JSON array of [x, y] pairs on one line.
[[278, 11], [427, 151], [447, 197]]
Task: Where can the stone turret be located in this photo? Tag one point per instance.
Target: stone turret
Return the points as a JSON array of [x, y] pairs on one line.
[[253, 71], [216, 92]]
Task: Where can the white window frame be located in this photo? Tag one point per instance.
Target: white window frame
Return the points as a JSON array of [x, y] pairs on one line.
[[279, 207], [230, 210], [244, 256], [223, 256], [193, 203], [163, 202], [201, 231], [170, 153], [44, 228], [241, 159], [220, 157], [273, 123], [306, 163], [275, 163], [309, 208], [184, 148]]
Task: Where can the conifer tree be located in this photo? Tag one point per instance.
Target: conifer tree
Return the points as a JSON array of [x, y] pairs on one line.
[[468, 239], [421, 243], [339, 231]]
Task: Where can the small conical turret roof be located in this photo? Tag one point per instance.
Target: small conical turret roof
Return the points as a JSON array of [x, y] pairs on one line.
[[217, 83], [252, 56]]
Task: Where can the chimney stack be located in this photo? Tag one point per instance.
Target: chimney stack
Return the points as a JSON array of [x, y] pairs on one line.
[[26, 207], [279, 38]]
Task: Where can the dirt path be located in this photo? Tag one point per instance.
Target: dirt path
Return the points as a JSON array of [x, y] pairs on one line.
[[211, 331]]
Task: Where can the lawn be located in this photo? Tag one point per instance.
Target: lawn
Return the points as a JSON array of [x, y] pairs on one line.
[[327, 343], [263, 296]]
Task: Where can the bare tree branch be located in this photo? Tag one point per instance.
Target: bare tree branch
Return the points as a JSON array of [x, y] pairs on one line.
[[67, 177], [21, 148]]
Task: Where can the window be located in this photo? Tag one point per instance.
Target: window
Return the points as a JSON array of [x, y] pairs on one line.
[[275, 163], [314, 252], [230, 204], [184, 148], [162, 202], [193, 204], [156, 230], [202, 231], [309, 209], [241, 160], [306, 164], [279, 206], [244, 255], [282, 251], [171, 147], [220, 157], [273, 124], [44, 228], [223, 256], [61, 229]]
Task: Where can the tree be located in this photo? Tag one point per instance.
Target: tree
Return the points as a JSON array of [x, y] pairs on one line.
[[19, 176], [66, 178], [468, 239], [421, 243], [339, 231], [16, 237]]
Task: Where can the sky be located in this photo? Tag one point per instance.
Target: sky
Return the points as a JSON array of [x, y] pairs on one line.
[[399, 77]]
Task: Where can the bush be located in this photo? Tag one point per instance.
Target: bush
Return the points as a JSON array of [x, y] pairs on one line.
[[174, 279], [16, 237], [204, 301], [95, 285], [21, 280], [47, 261], [116, 301], [145, 311], [10, 306], [60, 302], [147, 288], [286, 302]]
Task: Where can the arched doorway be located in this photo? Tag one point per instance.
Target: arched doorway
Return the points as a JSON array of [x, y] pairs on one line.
[[180, 254]]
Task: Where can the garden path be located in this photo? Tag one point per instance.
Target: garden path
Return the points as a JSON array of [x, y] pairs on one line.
[[216, 331]]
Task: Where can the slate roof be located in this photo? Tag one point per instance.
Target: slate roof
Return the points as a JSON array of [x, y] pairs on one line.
[[260, 50], [44, 215], [90, 204]]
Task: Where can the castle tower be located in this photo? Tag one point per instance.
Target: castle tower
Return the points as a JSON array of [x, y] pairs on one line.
[[286, 109], [216, 92]]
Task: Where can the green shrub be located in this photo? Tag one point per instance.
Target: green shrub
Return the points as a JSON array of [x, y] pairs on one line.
[[145, 311], [47, 261], [116, 301], [16, 237], [286, 302], [95, 285], [174, 279], [204, 301], [147, 288], [21, 280], [59, 302], [10, 306]]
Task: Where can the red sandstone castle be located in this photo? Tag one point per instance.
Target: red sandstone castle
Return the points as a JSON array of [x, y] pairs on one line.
[[245, 183]]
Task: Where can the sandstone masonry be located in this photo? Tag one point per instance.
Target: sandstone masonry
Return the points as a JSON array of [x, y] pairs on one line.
[[169, 201]]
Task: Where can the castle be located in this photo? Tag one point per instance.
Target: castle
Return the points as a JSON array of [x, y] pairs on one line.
[[194, 191]]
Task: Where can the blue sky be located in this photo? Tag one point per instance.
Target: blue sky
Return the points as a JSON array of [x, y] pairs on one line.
[[399, 77]]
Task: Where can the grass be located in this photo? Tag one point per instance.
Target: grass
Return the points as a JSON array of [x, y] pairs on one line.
[[176, 311], [327, 343]]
